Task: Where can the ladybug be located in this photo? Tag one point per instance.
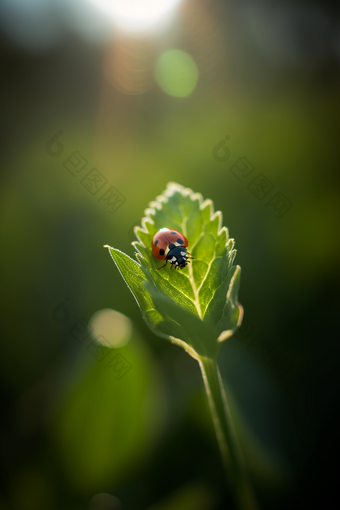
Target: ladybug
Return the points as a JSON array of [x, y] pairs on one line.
[[171, 246]]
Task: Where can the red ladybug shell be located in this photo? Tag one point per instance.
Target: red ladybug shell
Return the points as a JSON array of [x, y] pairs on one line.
[[164, 237]]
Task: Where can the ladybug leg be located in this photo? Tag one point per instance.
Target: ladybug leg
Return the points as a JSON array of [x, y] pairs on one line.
[[158, 268]]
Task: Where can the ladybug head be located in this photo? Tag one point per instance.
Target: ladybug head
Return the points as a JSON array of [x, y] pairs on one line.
[[178, 257]]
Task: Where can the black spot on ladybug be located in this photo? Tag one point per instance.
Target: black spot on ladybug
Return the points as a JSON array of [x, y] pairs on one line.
[[161, 251], [180, 241], [156, 242], [174, 233]]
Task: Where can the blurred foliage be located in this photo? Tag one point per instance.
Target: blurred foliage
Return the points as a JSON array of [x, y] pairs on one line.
[[106, 419]]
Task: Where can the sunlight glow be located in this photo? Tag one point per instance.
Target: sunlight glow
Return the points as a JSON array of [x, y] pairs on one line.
[[135, 14]]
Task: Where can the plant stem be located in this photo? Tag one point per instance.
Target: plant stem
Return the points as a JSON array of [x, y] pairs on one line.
[[226, 435]]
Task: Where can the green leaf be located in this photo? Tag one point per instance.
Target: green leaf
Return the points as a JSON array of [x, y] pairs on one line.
[[196, 307], [98, 437]]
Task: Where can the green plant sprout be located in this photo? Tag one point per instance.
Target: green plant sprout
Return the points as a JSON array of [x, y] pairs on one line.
[[196, 308]]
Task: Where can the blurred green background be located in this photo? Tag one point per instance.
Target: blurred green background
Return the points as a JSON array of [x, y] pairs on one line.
[[265, 74]]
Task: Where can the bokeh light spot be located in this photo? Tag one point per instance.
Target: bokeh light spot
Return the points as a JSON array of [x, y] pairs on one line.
[[110, 328], [176, 73]]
